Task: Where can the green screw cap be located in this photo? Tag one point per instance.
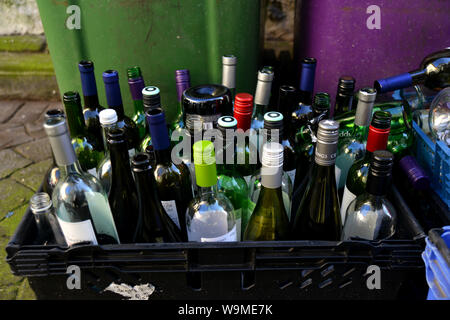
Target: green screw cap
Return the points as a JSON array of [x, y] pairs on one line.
[[205, 163]]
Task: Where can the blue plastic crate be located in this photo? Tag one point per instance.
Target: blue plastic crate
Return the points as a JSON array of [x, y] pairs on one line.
[[436, 258], [435, 159]]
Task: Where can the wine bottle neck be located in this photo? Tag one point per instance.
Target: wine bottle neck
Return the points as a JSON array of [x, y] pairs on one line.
[[120, 161], [271, 177], [208, 191], [163, 156], [75, 119], [91, 102], [377, 139], [69, 169]]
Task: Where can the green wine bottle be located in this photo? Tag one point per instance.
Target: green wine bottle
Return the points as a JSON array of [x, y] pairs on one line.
[[136, 84], [87, 148], [269, 220], [357, 175], [229, 180], [318, 217]]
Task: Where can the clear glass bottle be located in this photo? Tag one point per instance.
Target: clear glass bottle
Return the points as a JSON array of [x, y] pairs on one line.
[[269, 220], [79, 199], [352, 148], [229, 73], [210, 216], [108, 121], [262, 97], [229, 180], [48, 229], [371, 216]]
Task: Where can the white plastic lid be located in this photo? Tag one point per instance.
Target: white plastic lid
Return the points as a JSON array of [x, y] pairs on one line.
[[150, 91], [108, 116], [272, 154]]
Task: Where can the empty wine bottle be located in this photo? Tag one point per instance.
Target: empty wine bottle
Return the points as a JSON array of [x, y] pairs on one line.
[[152, 100], [122, 195], [434, 72], [88, 149], [352, 148], [173, 182], [229, 180], [344, 95], [262, 97], [114, 100], [303, 109], [229, 73], [357, 175], [246, 149], [273, 125], [80, 202], [371, 216], [154, 225], [52, 175], [269, 220], [48, 229], [210, 216], [108, 120], [136, 84], [318, 217], [91, 105]]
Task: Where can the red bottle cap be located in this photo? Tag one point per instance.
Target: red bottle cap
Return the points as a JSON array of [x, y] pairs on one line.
[[377, 139], [243, 109]]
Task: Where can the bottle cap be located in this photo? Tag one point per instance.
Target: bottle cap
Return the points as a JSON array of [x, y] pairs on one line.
[[135, 82], [112, 88], [416, 175], [366, 98], [274, 120], [158, 128], [183, 82], [264, 86], [327, 139], [151, 97], [379, 131], [243, 109], [227, 122], [108, 116], [205, 163], [40, 202], [272, 165], [58, 134], [86, 66], [229, 60], [308, 74]]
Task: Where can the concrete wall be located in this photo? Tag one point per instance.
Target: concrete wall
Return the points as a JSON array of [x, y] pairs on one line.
[[19, 17]]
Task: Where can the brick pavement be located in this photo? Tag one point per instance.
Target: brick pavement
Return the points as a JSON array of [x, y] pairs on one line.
[[25, 155]]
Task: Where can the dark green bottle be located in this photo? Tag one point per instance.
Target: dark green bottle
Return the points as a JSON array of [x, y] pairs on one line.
[[91, 107], [154, 225], [152, 100], [136, 84], [229, 180], [269, 220], [87, 147], [122, 196], [173, 181], [318, 216], [344, 95]]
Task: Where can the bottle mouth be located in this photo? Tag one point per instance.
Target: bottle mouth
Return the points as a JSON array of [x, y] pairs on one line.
[[116, 135], [309, 60], [71, 96], [381, 120], [86, 66], [140, 161], [347, 83], [381, 164], [54, 113], [321, 101], [39, 202], [134, 72]]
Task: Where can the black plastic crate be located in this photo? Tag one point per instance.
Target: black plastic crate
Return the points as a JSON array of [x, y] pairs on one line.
[[242, 270]]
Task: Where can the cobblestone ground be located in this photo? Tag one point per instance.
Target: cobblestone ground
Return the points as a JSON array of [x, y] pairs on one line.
[[25, 155]]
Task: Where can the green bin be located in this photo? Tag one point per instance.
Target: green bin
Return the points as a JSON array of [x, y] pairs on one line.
[[160, 36]]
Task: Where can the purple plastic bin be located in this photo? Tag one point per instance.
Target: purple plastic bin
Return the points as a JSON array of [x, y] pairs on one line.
[[337, 35]]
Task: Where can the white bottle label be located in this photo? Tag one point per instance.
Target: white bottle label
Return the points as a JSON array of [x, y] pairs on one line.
[[171, 209], [76, 232], [228, 237], [346, 199], [93, 171], [291, 175]]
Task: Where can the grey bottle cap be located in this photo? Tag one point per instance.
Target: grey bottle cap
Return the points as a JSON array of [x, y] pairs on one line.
[[108, 116], [263, 86], [229, 71], [58, 134], [366, 99], [272, 165], [327, 139]]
